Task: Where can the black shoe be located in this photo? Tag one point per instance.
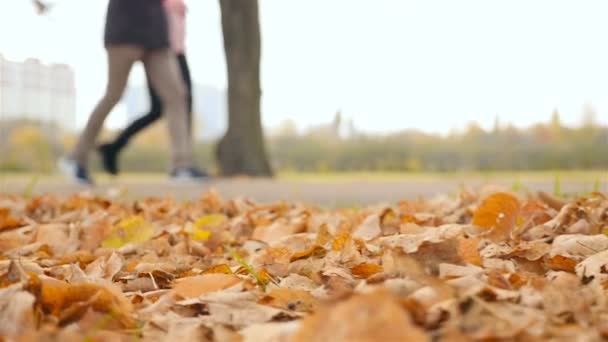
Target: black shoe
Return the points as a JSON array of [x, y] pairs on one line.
[[109, 158], [188, 174], [74, 171]]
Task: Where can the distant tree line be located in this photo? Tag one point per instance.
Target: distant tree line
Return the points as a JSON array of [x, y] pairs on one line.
[[26, 146]]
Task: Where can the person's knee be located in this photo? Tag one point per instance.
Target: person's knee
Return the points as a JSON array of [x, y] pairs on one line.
[[178, 95]]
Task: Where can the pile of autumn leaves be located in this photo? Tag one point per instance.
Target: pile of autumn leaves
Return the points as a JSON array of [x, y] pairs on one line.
[[481, 265]]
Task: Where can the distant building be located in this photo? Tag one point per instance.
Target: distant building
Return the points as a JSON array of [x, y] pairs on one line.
[[37, 91], [209, 108]]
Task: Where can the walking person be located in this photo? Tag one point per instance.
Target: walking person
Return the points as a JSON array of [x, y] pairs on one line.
[[136, 30], [176, 16]]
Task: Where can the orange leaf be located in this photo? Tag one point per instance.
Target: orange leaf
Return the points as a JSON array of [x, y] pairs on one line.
[[9, 222], [534, 212], [498, 213], [290, 299], [366, 270], [222, 268], [69, 302], [561, 263], [340, 241], [315, 250]]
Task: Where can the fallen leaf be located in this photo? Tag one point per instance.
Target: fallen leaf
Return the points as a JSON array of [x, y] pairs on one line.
[[290, 299], [130, 230], [366, 270], [222, 268], [16, 311], [560, 263], [372, 317], [368, 229], [468, 250], [497, 213], [198, 285]]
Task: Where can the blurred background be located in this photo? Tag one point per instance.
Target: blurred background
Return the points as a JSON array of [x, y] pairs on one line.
[[347, 85]]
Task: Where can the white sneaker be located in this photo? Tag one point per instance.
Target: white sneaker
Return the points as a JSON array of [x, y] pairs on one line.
[[187, 175], [74, 172]]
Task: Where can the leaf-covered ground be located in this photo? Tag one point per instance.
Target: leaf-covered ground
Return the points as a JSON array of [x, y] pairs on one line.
[[479, 266]]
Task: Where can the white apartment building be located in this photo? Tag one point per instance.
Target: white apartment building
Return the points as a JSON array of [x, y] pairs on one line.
[[37, 91]]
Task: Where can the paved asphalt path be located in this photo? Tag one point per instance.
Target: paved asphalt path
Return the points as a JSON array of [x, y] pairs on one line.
[[321, 192]]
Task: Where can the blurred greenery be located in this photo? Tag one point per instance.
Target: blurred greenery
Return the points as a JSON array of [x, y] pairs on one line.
[[34, 146]]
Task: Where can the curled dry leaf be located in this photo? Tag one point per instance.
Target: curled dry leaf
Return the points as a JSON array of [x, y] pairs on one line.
[[497, 213]]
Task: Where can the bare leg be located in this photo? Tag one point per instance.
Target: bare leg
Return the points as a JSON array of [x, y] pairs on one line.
[[163, 74], [120, 61]]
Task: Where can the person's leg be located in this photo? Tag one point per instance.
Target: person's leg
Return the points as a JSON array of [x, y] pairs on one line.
[[162, 71], [185, 72], [144, 121], [120, 61], [109, 152]]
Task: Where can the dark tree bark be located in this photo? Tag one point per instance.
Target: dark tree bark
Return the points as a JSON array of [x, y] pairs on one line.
[[241, 151]]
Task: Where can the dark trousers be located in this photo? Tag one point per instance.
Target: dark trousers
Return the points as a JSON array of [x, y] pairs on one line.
[[156, 108]]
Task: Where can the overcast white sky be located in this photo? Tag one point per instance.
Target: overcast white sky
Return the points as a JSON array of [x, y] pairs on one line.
[[388, 64]]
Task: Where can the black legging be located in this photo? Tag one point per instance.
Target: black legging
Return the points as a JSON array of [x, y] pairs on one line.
[[157, 108]]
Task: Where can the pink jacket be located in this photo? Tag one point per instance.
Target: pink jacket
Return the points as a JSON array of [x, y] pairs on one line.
[[176, 17]]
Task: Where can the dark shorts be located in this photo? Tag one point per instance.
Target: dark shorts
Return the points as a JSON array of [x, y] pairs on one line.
[[141, 23]]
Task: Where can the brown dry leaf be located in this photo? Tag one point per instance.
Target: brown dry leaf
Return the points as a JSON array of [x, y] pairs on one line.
[[275, 231], [16, 311], [498, 213], [274, 260], [533, 213], [362, 318], [551, 201], [468, 250], [191, 287], [290, 299], [368, 229], [69, 302], [366, 270], [578, 246], [269, 332]]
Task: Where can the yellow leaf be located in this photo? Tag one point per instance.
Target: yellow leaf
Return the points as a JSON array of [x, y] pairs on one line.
[[130, 230], [498, 213], [340, 241], [201, 235], [199, 230], [210, 220]]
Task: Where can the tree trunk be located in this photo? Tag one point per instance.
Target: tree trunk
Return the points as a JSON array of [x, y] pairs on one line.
[[241, 151]]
